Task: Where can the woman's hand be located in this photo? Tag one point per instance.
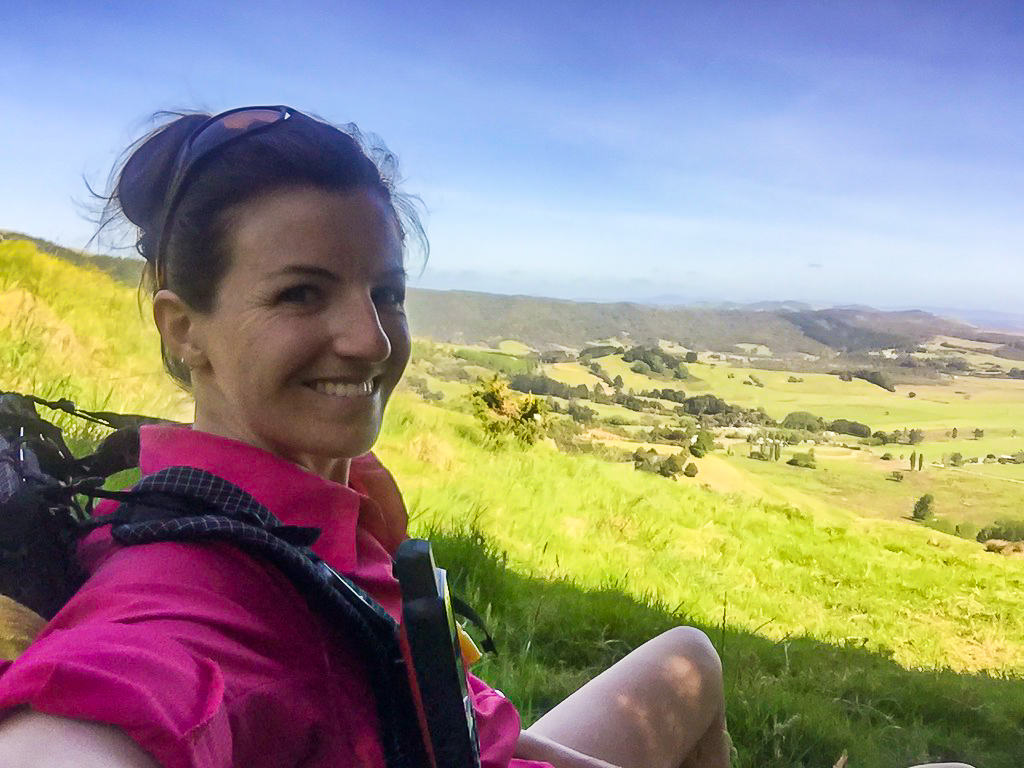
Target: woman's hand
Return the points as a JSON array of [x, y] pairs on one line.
[[33, 740], [534, 747]]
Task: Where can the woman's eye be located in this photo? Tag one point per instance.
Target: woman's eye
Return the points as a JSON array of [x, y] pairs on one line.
[[393, 297], [298, 294]]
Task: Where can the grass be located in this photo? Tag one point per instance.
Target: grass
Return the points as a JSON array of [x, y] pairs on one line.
[[874, 639], [839, 633]]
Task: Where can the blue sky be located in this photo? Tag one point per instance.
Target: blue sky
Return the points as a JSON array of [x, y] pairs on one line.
[[838, 152]]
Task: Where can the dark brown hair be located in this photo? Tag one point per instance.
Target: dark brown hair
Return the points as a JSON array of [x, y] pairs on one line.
[[194, 252]]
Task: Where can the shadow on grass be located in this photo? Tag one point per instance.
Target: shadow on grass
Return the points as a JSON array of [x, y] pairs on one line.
[[801, 702]]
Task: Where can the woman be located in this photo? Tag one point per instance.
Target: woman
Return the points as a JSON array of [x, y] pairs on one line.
[[275, 250]]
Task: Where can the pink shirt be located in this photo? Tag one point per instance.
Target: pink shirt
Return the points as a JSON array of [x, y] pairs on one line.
[[209, 658]]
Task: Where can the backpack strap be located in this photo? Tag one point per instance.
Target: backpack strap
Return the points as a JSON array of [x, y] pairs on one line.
[[188, 504]]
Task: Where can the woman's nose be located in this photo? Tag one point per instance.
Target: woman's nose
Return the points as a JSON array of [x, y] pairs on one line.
[[358, 333]]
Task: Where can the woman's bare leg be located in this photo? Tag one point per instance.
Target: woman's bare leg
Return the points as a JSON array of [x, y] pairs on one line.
[[662, 706]]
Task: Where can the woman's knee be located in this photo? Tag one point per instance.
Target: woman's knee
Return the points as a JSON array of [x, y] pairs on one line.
[[695, 646]]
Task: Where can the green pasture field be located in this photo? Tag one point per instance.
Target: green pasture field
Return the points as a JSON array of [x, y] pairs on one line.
[[857, 480], [837, 625], [839, 633], [864, 488]]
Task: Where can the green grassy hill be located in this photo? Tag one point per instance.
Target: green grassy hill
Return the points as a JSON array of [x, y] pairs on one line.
[[839, 633]]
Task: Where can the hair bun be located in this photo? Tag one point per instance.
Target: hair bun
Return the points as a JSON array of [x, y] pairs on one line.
[[143, 183]]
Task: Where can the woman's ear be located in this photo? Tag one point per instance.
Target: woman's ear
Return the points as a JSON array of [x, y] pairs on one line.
[[179, 328]]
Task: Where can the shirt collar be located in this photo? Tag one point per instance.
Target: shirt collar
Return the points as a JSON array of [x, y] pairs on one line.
[[293, 494]]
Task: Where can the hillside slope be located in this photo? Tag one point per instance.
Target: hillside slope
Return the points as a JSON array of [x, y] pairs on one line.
[[471, 317], [896, 644]]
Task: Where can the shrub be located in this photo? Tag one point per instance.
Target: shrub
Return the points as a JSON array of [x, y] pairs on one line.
[[805, 460], [803, 420], [500, 413], [691, 470], [886, 456], [956, 460], [1010, 530], [877, 378], [581, 413], [704, 443], [641, 367], [896, 476], [847, 427], [923, 507]]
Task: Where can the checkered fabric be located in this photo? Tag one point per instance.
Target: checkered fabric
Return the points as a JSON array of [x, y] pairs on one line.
[[188, 504]]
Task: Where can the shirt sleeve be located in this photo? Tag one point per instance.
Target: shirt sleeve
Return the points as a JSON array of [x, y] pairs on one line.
[[498, 726], [170, 642]]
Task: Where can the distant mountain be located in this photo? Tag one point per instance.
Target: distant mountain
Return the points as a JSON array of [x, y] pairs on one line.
[[787, 328], [983, 318]]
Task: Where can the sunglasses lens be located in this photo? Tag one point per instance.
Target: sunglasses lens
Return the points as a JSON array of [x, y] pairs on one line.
[[232, 124]]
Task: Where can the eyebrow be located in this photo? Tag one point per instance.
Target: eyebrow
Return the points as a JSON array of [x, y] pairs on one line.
[[308, 270]]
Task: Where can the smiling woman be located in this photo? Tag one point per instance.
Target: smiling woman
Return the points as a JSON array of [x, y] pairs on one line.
[[317, 285], [275, 247]]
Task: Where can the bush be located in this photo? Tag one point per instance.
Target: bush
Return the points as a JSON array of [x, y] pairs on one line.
[[1010, 530], [896, 476], [691, 470], [887, 456], [956, 460], [923, 507], [704, 443], [805, 460], [641, 367], [500, 413], [847, 427], [877, 378], [803, 420]]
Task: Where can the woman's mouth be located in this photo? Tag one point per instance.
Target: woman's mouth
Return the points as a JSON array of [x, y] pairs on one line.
[[335, 388]]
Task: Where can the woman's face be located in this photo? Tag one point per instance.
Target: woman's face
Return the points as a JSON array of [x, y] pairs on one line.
[[308, 335]]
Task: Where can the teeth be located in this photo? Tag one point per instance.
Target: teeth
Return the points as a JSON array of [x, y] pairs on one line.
[[343, 389]]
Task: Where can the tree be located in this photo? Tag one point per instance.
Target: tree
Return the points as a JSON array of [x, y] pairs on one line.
[[923, 507], [618, 383], [915, 436], [581, 414], [805, 460], [500, 413], [920, 462], [691, 470], [979, 433], [691, 357], [956, 460], [670, 466], [954, 433], [704, 442], [803, 420], [913, 460], [847, 427]]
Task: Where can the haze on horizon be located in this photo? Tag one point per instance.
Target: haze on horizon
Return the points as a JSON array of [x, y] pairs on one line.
[[828, 152]]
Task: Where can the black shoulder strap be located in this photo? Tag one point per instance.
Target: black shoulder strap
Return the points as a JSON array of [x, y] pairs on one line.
[[187, 504]]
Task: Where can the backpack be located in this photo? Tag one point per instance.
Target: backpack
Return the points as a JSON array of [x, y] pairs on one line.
[[46, 502]]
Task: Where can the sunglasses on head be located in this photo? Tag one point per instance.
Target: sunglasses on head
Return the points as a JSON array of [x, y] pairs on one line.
[[206, 140]]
